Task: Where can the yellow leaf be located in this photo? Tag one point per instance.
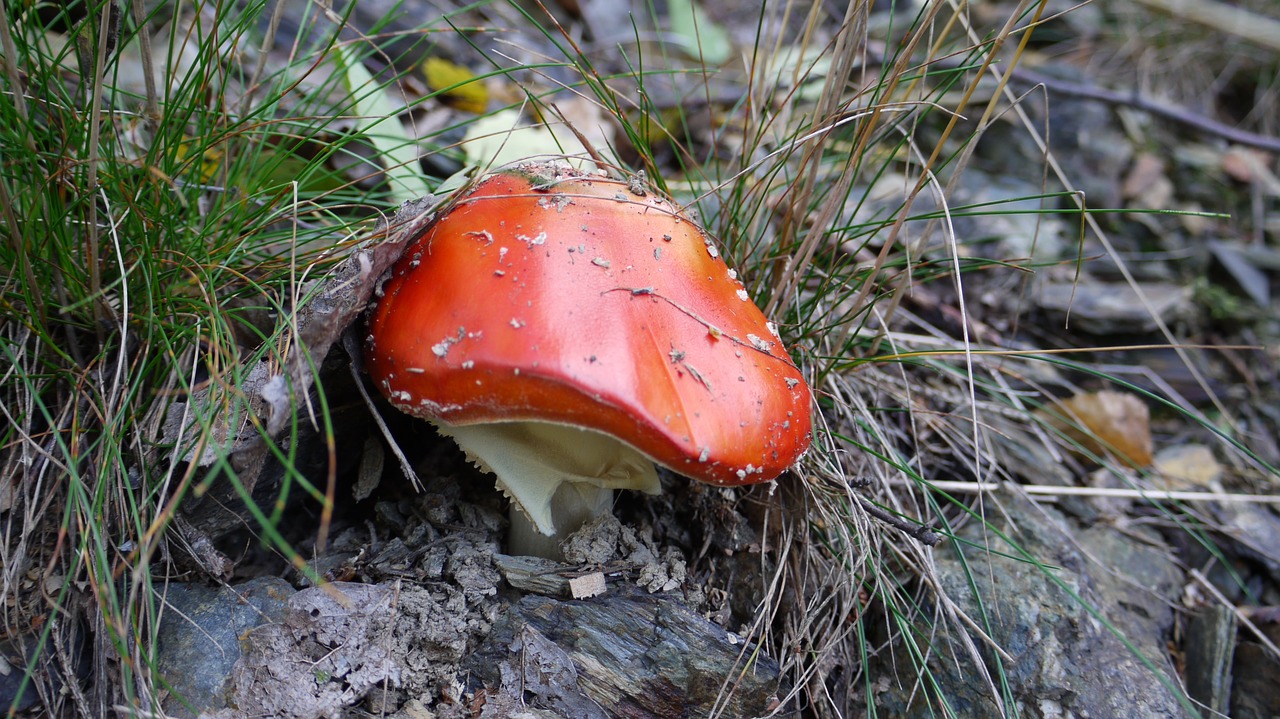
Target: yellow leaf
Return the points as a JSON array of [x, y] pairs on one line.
[[1187, 466], [211, 157], [456, 85]]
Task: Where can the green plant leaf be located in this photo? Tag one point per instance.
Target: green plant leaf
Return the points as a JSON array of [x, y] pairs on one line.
[[378, 119], [701, 37]]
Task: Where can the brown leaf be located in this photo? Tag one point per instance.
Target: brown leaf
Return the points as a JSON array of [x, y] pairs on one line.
[[1250, 167], [1147, 184], [1105, 423]]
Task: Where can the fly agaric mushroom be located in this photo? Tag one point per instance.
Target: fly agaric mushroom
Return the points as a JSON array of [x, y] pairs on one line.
[[569, 331]]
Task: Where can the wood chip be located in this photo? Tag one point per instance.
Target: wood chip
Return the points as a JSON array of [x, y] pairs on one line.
[[586, 586]]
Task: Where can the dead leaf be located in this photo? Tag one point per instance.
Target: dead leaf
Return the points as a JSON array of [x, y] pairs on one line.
[[1250, 167], [701, 38], [1105, 423], [1188, 466], [456, 85], [1147, 184], [504, 138]]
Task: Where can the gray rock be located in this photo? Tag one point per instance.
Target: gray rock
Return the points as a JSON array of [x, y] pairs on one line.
[[199, 637], [1209, 645], [16, 689], [1109, 308], [344, 642], [1252, 530], [30, 673], [1080, 636], [1255, 693], [1007, 211], [1002, 211]]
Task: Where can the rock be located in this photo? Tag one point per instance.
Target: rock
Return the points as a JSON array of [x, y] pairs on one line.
[[1255, 691], [16, 691], [1056, 625], [1109, 308], [628, 653], [1210, 643], [199, 638], [1252, 530], [1088, 140], [1002, 208], [30, 672], [1243, 264], [1019, 222], [343, 642]]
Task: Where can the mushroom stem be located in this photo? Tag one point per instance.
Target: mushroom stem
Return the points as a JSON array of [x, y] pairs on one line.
[[572, 506], [558, 477]]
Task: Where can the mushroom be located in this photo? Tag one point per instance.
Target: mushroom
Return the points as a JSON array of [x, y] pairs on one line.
[[569, 331]]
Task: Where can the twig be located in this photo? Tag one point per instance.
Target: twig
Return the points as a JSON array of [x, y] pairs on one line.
[[352, 346], [1180, 115], [1172, 113], [920, 532]]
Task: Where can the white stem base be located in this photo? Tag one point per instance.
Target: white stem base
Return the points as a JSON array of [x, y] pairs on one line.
[[573, 505]]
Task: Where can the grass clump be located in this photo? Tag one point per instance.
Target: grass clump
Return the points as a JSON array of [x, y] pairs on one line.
[[166, 201]]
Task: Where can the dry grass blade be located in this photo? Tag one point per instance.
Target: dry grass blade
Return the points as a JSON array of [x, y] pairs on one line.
[[1050, 492], [1223, 18]]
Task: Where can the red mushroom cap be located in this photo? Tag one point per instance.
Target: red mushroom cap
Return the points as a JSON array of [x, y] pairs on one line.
[[547, 294]]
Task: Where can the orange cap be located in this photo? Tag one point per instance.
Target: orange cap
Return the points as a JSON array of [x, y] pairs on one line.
[[547, 294]]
